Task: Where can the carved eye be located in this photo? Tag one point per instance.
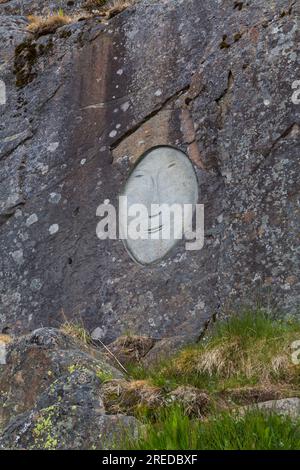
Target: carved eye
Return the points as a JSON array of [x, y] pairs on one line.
[[171, 164], [139, 176]]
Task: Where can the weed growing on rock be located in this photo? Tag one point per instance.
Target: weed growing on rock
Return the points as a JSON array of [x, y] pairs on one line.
[[42, 25], [76, 331]]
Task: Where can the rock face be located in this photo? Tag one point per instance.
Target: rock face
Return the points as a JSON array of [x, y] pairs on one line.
[[213, 78], [51, 395], [38, 7]]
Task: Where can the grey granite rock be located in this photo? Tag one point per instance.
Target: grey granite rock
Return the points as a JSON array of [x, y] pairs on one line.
[[213, 78], [51, 395], [39, 7], [284, 407]]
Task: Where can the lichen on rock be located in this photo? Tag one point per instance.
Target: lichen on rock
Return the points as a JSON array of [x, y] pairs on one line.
[[82, 104], [51, 395]]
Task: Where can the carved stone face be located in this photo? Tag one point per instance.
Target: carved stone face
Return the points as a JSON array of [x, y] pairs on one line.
[[163, 175]]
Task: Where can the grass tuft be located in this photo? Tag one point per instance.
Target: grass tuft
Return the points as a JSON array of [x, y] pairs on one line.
[[42, 25], [5, 339], [137, 397], [250, 350], [76, 331]]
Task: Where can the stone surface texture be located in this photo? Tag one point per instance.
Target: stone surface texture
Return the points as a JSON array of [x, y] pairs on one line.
[[213, 78], [284, 407], [51, 395]]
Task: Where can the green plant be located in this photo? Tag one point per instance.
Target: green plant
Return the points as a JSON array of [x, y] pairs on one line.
[[171, 429], [76, 331], [252, 349], [104, 376]]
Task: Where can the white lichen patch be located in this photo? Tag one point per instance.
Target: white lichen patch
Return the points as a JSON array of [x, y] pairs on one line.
[[99, 333], [152, 322], [18, 256], [113, 133], [23, 236], [54, 198], [125, 106], [36, 284], [43, 168], [12, 199], [18, 213], [32, 219], [54, 228], [53, 146]]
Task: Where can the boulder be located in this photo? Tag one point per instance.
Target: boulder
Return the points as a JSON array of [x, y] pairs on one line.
[[39, 7], [51, 395], [284, 407]]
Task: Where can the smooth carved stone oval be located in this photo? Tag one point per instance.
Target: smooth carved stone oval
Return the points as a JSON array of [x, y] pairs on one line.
[[162, 178]]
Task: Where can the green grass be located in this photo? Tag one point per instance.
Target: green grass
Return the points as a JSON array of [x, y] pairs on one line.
[[240, 360], [173, 430], [246, 359], [76, 331], [253, 349]]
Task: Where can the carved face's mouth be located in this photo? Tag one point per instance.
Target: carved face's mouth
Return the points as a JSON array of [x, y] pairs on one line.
[[154, 223], [155, 229]]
